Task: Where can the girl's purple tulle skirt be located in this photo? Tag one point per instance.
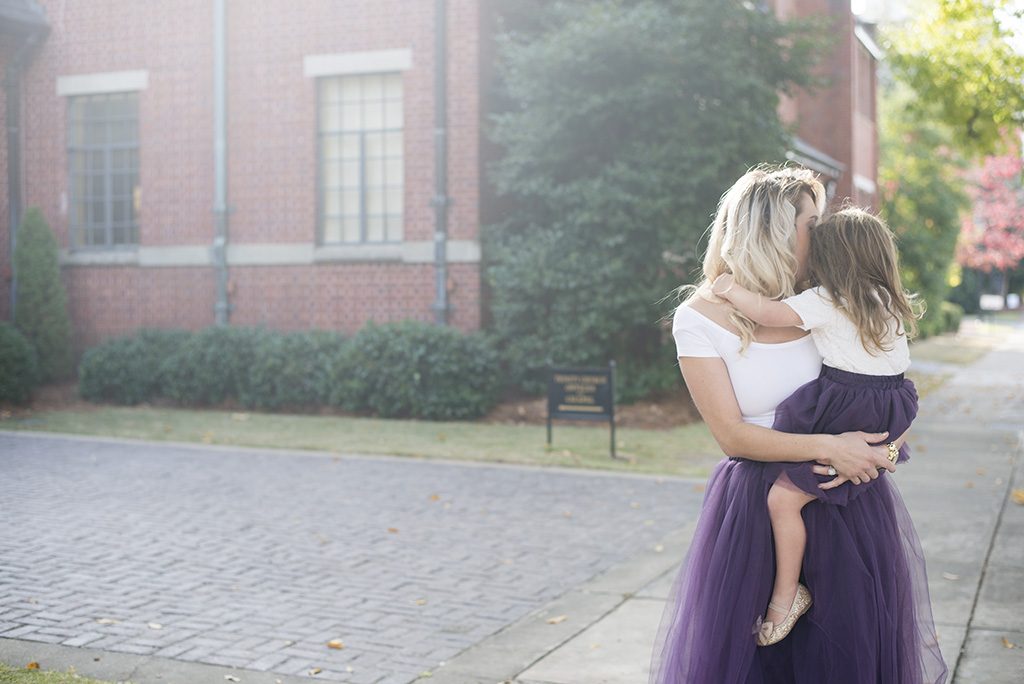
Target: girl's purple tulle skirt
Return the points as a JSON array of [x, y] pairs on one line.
[[871, 620]]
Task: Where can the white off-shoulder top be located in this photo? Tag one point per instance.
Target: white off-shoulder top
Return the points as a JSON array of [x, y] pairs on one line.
[[764, 375]]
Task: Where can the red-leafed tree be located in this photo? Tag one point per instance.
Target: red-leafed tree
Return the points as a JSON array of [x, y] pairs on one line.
[[992, 235]]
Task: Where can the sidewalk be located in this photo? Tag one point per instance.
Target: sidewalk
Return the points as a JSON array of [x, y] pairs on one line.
[[966, 463]]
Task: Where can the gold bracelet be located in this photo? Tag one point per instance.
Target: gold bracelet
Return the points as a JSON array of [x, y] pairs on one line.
[[894, 452]]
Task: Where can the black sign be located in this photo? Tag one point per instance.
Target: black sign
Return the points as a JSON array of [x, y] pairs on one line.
[[582, 394]]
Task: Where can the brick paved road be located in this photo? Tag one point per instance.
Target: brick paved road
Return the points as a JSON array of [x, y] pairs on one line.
[[256, 559]]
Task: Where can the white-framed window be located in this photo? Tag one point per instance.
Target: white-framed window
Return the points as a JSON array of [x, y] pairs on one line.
[[360, 158]]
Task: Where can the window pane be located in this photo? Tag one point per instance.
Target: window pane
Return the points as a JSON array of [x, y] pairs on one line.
[[393, 86], [393, 144], [374, 228], [95, 133], [350, 146], [332, 229], [119, 211], [350, 201], [98, 188], [351, 117], [330, 90], [393, 171], [332, 174], [374, 171], [332, 204], [76, 136], [97, 215], [97, 160], [330, 147], [394, 200], [373, 88], [394, 227], [373, 115], [350, 174], [121, 184], [393, 114], [374, 200], [351, 229], [350, 89], [120, 235], [330, 118]]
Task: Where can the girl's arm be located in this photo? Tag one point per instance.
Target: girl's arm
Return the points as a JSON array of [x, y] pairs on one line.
[[707, 378], [762, 311]]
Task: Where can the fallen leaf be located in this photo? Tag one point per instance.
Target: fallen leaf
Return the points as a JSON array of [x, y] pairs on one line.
[[567, 514], [980, 471], [421, 602], [35, 666], [634, 504], [107, 621], [1018, 496], [969, 484], [335, 643], [558, 618], [155, 625], [950, 576], [393, 530], [648, 522], [435, 497], [426, 673], [699, 487], [1008, 644], [659, 548], [315, 670]]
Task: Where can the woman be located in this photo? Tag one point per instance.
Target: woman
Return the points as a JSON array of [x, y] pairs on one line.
[[871, 619]]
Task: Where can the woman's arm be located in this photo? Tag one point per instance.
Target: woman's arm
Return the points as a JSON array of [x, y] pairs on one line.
[[707, 379], [762, 311]]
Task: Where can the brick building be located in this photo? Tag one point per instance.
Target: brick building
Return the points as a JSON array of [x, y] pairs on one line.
[[267, 165]]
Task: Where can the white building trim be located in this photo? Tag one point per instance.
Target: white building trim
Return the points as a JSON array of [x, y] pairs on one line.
[[368, 62], [273, 254], [104, 82]]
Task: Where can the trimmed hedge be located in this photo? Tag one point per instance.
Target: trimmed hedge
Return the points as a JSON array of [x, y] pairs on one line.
[[405, 369], [128, 370], [19, 365], [412, 369]]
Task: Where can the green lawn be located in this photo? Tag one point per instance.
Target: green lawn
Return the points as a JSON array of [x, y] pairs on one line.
[[12, 675], [688, 450]]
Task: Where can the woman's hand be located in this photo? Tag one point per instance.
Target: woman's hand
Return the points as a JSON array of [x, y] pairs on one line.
[[854, 459], [722, 285]]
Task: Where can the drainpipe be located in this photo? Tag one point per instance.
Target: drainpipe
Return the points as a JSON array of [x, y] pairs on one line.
[[222, 307], [12, 93], [441, 199]]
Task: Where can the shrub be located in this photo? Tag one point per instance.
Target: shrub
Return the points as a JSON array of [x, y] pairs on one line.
[[291, 369], [19, 368], [418, 370], [128, 370], [41, 311], [213, 365]]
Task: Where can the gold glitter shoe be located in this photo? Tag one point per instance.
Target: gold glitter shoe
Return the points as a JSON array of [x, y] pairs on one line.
[[770, 633]]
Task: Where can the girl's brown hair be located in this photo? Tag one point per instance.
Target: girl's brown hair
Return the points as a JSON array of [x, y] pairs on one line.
[[854, 257]]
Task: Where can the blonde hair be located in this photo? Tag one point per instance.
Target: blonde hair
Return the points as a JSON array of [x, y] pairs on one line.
[[854, 257], [753, 236]]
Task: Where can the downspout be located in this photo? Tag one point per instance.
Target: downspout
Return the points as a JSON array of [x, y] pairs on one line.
[[441, 199], [222, 307], [12, 93]]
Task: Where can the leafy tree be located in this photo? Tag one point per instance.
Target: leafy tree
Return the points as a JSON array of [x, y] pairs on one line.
[[992, 238], [922, 197], [625, 121], [958, 57], [41, 311]]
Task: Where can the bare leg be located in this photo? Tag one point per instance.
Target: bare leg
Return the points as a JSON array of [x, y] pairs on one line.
[[785, 502]]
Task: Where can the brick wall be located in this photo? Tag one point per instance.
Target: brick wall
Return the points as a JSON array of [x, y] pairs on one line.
[[271, 158]]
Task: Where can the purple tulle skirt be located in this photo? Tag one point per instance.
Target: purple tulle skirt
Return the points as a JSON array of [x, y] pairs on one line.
[[871, 620], [839, 401]]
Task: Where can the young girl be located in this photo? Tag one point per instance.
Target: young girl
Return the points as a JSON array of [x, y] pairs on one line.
[[859, 316]]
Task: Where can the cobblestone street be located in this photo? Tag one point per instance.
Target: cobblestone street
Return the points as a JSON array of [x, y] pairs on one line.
[[256, 559]]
